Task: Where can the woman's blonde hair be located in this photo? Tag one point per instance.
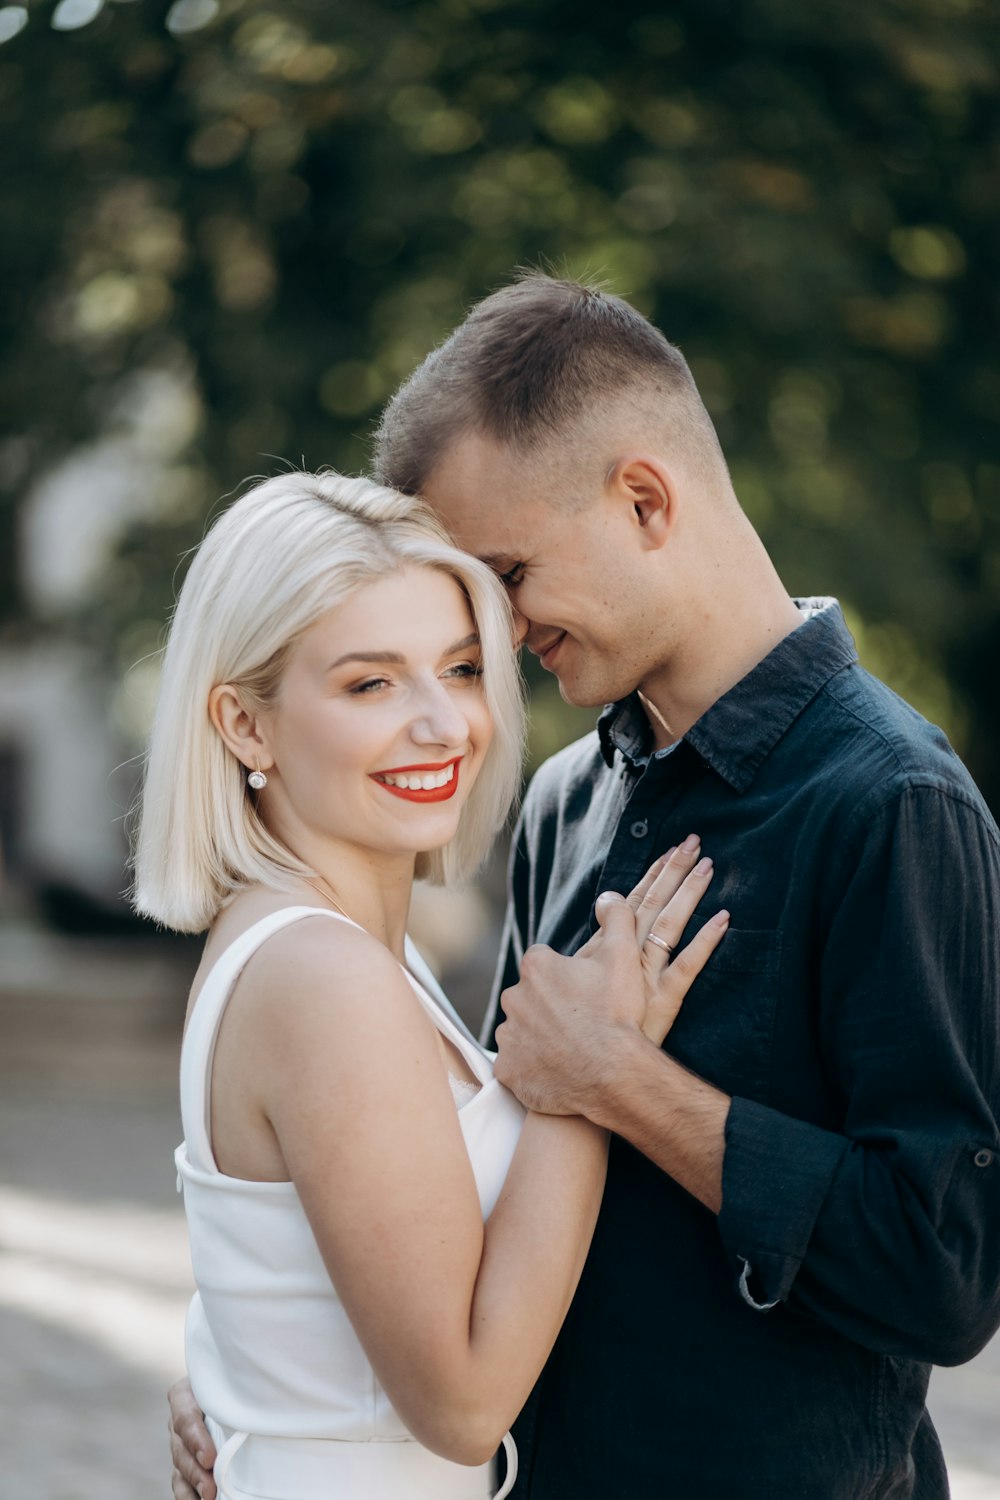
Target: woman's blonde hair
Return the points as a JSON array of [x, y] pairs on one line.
[[280, 557]]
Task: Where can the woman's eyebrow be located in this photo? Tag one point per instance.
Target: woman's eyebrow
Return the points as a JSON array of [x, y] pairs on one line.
[[390, 658], [464, 643], [393, 658]]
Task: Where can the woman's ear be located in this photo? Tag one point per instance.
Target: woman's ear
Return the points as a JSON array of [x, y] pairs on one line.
[[644, 483], [238, 728]]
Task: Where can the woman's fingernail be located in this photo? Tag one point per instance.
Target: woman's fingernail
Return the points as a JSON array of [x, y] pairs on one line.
[[703, 866], [721, 919], [691, 843], [670, 851], [202, 1459]]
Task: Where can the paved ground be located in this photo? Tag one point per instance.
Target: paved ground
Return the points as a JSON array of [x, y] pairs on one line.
[[94, 1274]]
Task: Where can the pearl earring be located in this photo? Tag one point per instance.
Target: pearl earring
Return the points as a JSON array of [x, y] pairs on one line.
[[257, 779]]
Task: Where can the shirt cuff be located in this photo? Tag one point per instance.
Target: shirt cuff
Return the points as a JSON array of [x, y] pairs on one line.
[[776, 1174]]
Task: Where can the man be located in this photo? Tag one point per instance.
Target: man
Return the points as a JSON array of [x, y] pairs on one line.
[[803, 1196]]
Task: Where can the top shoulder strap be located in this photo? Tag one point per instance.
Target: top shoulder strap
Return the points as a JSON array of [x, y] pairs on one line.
[[198, 1049], [444, 1015]]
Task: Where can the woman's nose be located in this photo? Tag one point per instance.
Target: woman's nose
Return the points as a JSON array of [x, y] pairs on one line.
[[439, 719]]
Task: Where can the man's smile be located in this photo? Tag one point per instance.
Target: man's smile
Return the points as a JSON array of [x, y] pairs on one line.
[[546, 652]]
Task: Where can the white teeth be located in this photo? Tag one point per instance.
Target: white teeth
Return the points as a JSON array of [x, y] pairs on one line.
[[427, 781]]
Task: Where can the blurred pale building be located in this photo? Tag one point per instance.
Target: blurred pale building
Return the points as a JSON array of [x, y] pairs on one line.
[[74, 712]]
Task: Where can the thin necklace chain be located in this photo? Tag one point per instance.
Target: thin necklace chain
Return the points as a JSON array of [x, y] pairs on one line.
[[318, 885]]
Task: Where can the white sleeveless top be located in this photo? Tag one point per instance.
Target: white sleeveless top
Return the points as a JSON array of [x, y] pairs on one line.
[[292, 1400]]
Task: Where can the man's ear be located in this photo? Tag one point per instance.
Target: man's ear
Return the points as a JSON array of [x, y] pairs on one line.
[[647, 486], [238, 728]]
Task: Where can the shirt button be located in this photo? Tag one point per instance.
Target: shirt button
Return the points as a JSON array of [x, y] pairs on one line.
[[639, 829], [983, 1158]]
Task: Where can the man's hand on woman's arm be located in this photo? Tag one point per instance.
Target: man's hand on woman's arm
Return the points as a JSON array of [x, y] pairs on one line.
[[191, 1448]]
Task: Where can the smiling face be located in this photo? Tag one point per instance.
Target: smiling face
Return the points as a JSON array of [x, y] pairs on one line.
[[381, 724], [575, 565]]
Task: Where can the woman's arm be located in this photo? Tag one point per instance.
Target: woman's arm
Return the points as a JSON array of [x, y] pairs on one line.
[[457, 1317]]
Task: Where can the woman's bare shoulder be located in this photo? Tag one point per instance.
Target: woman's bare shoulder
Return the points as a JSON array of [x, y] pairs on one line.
[[324, 1003], [320, 958]]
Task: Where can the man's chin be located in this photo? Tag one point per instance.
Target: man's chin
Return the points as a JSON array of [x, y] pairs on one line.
[[582, 695]]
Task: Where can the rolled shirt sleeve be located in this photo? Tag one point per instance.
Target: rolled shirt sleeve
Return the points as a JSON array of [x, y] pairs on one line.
[[889, 1230]]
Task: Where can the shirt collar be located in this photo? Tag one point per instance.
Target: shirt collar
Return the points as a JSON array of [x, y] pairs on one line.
[[735, 736]]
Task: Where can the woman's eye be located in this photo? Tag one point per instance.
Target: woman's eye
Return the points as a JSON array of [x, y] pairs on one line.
[[513, 576], [466, 670], [371, 685]]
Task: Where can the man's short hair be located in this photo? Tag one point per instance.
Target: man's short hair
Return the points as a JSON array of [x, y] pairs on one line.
[[526, 368]]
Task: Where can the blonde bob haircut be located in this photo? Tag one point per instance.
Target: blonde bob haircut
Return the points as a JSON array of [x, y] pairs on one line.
[[281, 556]]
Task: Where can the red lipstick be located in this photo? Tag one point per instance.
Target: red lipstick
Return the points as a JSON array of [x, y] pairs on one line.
[[426, 783]]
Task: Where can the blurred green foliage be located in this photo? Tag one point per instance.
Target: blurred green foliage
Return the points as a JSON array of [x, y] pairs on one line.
[[246, 222]]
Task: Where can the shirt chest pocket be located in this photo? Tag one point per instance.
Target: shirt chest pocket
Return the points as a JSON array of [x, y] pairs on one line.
[[725, 1030]]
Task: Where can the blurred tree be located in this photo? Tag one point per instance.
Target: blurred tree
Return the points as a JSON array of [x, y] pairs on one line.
[[232, 228]]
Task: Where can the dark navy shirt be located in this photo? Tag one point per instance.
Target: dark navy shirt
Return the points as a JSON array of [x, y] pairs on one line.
[[781, 1351]]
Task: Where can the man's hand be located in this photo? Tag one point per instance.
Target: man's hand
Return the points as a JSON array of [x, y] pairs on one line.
[[191, 1448], [566, 1016]]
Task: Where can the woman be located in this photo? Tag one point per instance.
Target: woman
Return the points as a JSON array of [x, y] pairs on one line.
[[381, 1274]]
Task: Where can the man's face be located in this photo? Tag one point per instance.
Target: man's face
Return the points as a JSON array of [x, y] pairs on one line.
[[567, 561]]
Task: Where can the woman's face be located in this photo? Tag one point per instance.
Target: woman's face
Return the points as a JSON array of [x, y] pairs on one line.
[[381, 723]]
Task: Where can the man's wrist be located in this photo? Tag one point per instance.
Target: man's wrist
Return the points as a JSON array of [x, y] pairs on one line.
[[627, 1060], [671, 1115]]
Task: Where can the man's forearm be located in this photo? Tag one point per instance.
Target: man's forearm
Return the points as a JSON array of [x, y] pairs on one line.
[[667, 1113]]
